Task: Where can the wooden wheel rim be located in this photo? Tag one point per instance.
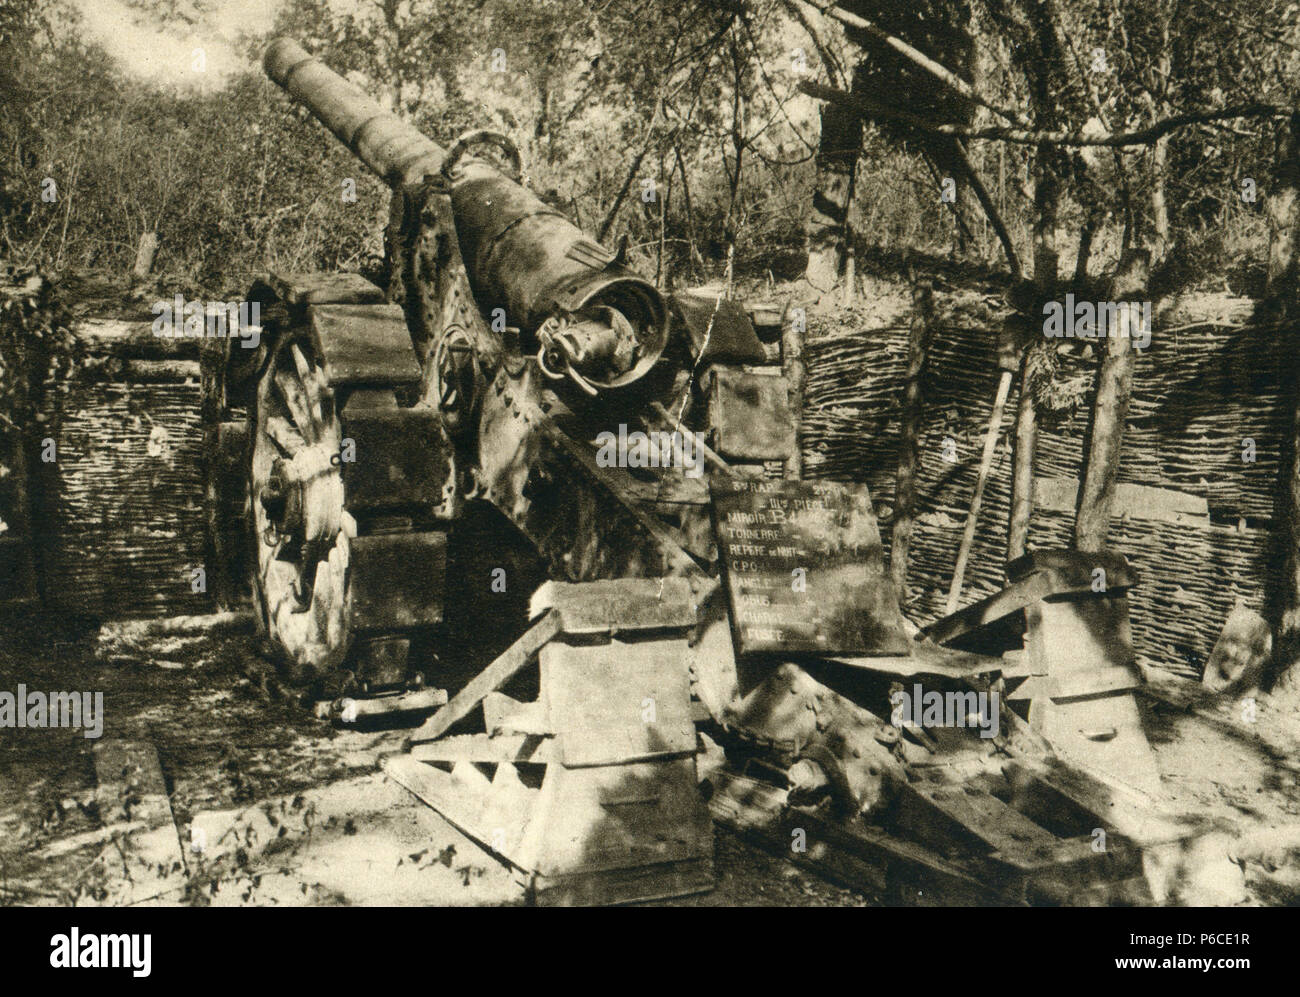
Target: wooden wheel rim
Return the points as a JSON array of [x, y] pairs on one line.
[[296, 427]]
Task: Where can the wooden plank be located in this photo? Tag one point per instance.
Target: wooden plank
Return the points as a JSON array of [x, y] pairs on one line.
[[364, 344], [669, 488], [326, 289], [1073, 801], [618, 702], [858, 855], [981, 478], [928, 658], [131, 789], [487, 748], [944, 815], [1082, 641], [1093, 682], [626, 885], [510, 661], [131, 783], [618, 604], [1033, 586], [505, 715], [462, 798], [623, 816], [1131, 501], [622, 745], [1103, 735], [349, 710], [127, 338], [1023, 860], [1075, 570], [749, 415]]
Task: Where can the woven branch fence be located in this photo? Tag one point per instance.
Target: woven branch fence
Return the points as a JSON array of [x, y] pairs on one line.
[[120, 518], [1209, 382]]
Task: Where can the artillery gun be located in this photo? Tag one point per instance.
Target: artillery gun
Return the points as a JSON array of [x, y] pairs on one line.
[[375, 417], [504, 344]]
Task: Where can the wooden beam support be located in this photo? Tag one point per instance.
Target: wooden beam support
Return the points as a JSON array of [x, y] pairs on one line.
[[497, 674]]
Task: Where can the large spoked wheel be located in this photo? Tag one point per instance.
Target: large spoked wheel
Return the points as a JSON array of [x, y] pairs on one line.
[[302, 528]]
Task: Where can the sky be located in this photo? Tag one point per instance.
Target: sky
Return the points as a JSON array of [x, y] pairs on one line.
[[148, 48]]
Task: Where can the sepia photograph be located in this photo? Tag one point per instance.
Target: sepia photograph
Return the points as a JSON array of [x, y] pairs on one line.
[[672, 453]]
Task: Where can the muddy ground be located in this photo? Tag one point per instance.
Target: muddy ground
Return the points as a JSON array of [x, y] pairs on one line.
[[297, 812]]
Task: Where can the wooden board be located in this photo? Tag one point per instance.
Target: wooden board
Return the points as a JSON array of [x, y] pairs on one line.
[[131, 788], [857, 855], [750, 415], [769, 532], [497, 674], [326, 288], [364, 344], [1084, 643], [1130, 500], [1103, 736], [1017, 851], [494, 813], [618, 702], [489, 748], [620, 604], [621, 816]]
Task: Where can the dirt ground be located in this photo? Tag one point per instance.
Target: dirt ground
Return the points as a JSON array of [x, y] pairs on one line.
[[296, 812], [316, 822]]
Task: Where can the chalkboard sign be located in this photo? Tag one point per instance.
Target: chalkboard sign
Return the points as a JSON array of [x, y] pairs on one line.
[[804, 568]]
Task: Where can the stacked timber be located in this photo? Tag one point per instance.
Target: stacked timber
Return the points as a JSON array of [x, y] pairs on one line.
[[121, 506], [1206, 421]]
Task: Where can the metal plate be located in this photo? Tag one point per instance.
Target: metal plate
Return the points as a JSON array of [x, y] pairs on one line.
[[398, 580], [364, 344], [749, 415], [402, 457], [718, 330]]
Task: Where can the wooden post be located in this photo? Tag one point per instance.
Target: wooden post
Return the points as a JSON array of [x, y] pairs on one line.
[[981, 479], [212, 402], [793, 328], [918, 346], [1283, 602], [144, 255], [1024, 444], [1047, 192], [1282, 208], [850, 271], [1109, 413]]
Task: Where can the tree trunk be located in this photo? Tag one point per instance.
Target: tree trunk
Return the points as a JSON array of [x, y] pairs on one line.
[[1047, 195], [1109, 413], [837, 159], [1283, 207], [918, 346]]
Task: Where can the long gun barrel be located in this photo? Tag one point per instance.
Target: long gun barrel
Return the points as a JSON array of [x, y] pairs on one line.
[[521, 254]]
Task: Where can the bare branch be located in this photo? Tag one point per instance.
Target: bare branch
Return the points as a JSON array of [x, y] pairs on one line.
[[1028, 136], [916, 56]]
